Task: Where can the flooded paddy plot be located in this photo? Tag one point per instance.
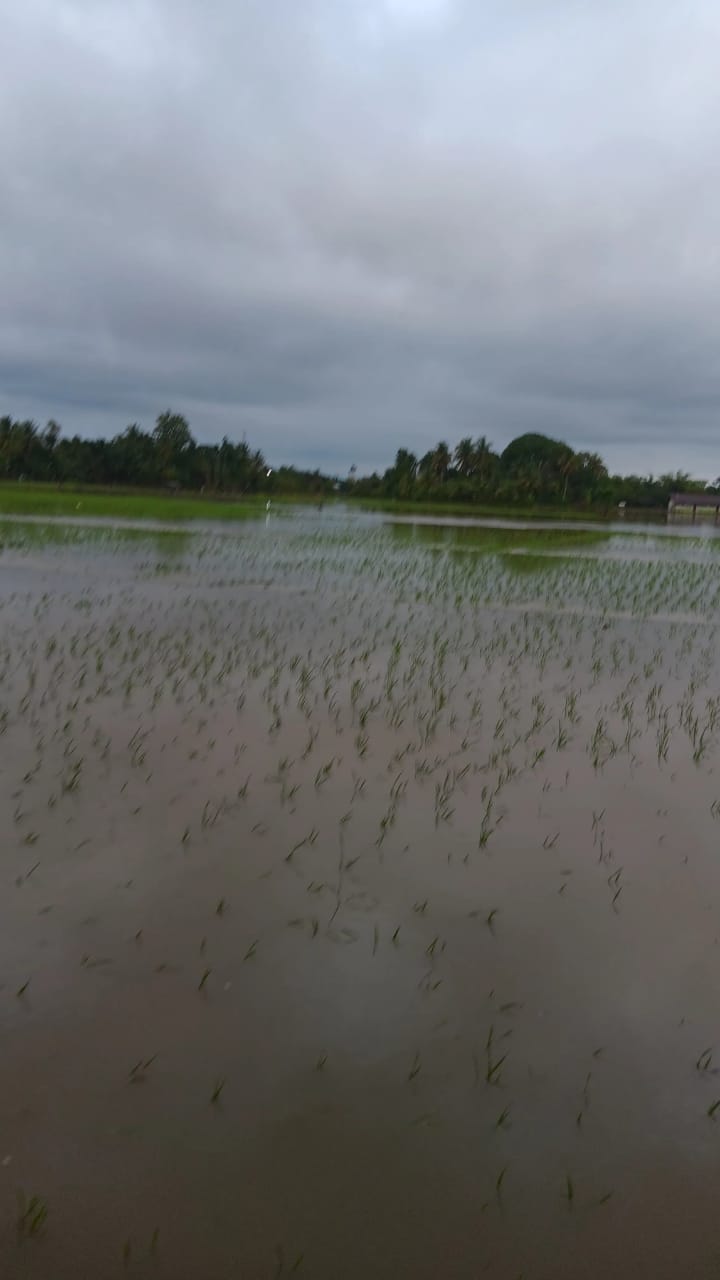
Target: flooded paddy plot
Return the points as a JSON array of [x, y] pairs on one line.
[[359, 909]]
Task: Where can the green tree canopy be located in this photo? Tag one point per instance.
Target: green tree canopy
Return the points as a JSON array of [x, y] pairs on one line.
[[533, 450], [172, 433]]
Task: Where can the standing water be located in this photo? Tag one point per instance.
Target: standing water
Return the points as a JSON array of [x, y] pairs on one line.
[[359, 901]]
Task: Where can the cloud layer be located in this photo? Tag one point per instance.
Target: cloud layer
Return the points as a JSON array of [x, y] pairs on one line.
[[344, 228]]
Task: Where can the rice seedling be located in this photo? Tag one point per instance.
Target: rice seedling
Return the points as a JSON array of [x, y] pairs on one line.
[[503, 1120], [493, 1069], [704, 1060], [138, 1074], [32, 1216]]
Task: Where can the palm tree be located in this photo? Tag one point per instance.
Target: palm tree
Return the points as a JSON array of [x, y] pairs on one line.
[[483, 452], [441, 459], [465, 456], [483, 460]]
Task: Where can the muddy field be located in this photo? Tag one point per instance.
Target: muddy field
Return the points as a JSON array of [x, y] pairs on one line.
[[360, 903]]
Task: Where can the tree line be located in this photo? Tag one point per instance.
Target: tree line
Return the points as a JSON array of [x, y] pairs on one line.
[[167, 457], [532, 470]]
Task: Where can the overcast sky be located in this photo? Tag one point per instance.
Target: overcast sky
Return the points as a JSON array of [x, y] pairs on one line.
[[344, 226]]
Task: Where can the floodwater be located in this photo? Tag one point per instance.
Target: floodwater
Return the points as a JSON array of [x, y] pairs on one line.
[[359, 910]]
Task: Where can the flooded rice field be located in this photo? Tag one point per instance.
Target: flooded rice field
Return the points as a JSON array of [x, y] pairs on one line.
[[360, 909]]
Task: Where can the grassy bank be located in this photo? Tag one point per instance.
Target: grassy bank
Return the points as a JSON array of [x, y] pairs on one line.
[[49, 500]]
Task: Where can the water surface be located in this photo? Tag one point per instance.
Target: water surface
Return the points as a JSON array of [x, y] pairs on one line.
[[359, 901]]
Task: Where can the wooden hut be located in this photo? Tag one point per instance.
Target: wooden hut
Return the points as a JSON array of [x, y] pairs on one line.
[[694, 502]]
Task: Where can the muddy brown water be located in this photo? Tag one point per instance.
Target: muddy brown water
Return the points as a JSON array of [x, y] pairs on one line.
[[407, 857]]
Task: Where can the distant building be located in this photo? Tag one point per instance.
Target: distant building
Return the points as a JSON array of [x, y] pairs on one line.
[[694, 502]]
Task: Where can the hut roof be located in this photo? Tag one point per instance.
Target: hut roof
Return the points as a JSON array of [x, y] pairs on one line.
[[697, 499]]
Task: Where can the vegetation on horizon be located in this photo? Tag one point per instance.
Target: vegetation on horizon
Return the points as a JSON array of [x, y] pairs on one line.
[[167, 457], [533, 470]]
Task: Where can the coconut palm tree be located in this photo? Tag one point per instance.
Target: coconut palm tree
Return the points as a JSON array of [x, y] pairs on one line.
[[441, 460], [465, 455]]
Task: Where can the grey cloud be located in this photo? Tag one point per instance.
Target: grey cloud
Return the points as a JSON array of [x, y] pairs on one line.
[[346, 228]]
